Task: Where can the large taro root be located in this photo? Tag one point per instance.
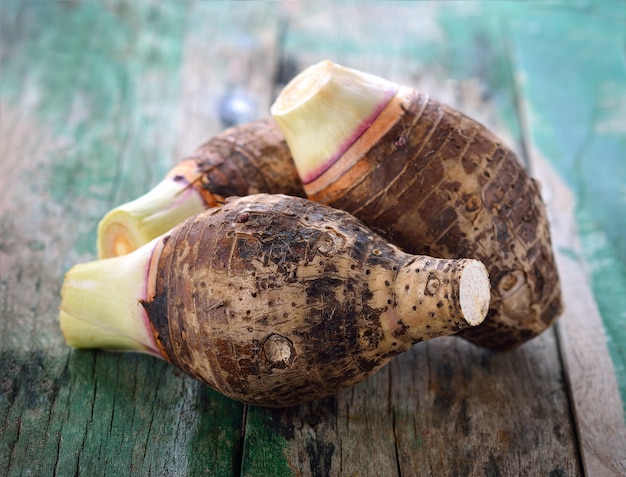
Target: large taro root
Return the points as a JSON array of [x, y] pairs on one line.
[[271, 299]]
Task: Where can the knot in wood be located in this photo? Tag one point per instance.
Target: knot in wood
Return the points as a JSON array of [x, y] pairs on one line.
[[278, 351]]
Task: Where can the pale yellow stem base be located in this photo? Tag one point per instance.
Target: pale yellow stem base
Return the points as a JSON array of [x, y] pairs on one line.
[[101, 303], [324, 110], [129, 226]]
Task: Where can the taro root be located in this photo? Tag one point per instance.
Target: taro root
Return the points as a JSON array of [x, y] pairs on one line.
[[272, 300], [432, 181], [246, 159]]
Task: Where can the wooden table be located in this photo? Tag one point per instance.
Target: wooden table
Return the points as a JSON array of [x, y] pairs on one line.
[[99, 98]]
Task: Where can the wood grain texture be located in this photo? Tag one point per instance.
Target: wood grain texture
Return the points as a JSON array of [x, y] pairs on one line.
[[590, 372], [99, 99], [444, 408], [582, 146], [580, 128], [595, 394], [86, 112]]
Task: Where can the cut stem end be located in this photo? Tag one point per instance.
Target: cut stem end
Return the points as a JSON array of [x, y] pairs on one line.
[[131, 225], [324, 110], [101, 303], [475, 292]]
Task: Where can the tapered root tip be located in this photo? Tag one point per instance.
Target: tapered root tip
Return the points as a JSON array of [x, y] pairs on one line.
[[475, 292]]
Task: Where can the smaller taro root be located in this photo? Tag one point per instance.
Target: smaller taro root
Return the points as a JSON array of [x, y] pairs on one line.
[[246, 159]]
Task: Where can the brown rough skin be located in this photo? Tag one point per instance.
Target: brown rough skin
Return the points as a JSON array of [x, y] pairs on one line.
[[275, 300], [441, 184], [246, 159]]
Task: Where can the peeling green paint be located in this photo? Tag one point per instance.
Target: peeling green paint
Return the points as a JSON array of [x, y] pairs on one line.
[[265, 442], [114, 101], [577, 119], [102, 78], [215, 448]]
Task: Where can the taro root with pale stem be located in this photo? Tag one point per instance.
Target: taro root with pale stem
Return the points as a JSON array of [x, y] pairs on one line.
[[432, 181], [271, 299], [246, 159]]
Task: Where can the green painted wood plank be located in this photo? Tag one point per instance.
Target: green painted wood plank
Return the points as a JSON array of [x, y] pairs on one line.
[[266, 436], [89, 104], [578, 112]]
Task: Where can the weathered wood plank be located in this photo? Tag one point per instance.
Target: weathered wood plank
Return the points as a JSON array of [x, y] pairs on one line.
[[579, 127], [591, 377], [577, 142], [228, 67], [444, 408], [88, 118]]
